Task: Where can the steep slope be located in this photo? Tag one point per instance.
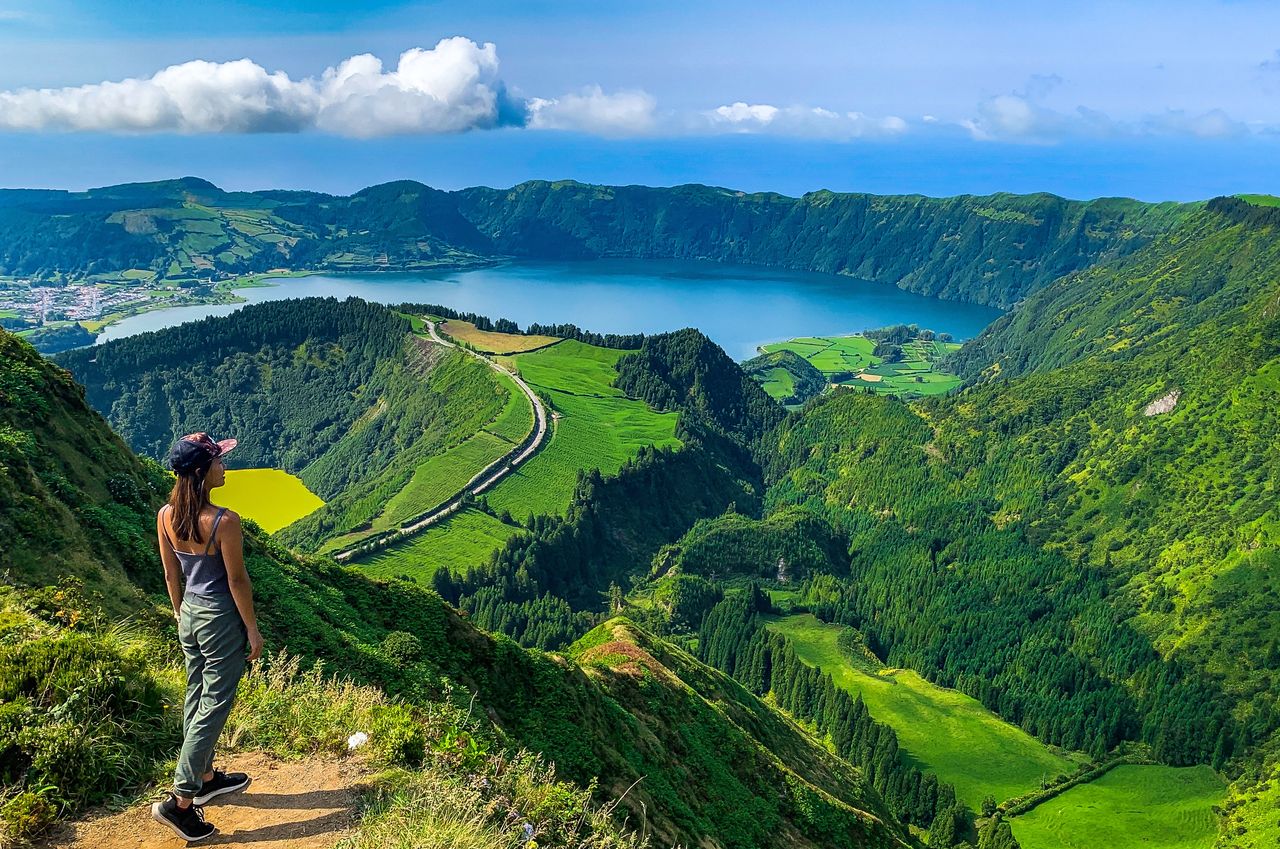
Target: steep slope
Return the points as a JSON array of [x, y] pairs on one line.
[[339, 393], [1086, 540], [71, 494], [689, 732], [992, 250]]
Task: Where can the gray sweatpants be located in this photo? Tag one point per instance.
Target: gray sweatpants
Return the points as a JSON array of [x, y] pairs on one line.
[[214, 641]]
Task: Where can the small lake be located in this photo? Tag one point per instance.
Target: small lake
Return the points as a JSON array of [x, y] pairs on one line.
[[740, 307]]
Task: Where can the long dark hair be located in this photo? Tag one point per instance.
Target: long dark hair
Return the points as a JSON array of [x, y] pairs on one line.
[[187, 501]]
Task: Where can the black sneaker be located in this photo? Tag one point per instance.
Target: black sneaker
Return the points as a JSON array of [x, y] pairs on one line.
[[221, 783], [188, 823]]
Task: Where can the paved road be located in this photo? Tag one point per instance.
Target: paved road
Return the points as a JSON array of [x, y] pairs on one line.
[[487, 476]]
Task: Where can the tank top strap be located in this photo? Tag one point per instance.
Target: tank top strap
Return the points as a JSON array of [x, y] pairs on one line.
[[164, 524], [213, 532]]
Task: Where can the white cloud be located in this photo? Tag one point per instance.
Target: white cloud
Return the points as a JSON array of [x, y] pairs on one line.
[[1016, 117], [449, 88], [807, 121], [744, 113], [591, 110]]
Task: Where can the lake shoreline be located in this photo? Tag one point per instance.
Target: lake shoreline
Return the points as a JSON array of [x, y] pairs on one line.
[[741, 307]]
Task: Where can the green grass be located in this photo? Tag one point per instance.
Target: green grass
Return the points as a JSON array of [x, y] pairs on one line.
[[941, 730], [916, 375], [440, 478], [597, 427], [1130, 806], [779, 383], [459, 542], [1260, 200], [271, 497], [516, 419]]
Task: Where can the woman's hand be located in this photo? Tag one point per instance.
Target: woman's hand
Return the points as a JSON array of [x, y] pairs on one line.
[[255, 643]]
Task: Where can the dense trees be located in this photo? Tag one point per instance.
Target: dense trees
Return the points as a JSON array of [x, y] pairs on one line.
[[733, 638], [534, 584], [993, 250], [688, 372], [335, 391], [805, 377], [937, 586]]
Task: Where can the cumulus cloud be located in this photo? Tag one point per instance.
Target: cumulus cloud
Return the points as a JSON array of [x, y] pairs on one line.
[[808, 121], [594, 111], [450, 88]]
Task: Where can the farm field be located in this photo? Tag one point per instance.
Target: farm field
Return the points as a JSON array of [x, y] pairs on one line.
[[779, 383], [1130, 806], [515, 421], [594, 426], [490, 342], [271, 497], [850, 361], [459, 542], [941, 730], [440, 478]]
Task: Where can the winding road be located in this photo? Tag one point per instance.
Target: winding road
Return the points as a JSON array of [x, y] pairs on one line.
[[483, 480]]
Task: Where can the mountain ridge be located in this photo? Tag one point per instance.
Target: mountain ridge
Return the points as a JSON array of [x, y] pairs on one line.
[[988, 249]]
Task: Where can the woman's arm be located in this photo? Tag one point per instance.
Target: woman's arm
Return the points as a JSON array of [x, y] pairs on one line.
[[172, 568], [231, 544]]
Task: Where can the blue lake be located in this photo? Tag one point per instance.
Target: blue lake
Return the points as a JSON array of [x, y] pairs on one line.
[[740, 307]]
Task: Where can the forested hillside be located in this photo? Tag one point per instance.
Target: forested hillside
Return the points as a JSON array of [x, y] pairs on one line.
[[992, 250], [339, 393], [1120, 452], [89, 710]]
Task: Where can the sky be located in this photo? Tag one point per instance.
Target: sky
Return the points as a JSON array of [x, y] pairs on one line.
[[1157, 100]]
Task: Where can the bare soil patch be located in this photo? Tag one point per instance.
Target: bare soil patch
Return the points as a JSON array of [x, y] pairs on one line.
[[307, 804]]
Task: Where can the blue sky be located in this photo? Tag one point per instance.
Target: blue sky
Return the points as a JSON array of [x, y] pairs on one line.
[[1170, 100]]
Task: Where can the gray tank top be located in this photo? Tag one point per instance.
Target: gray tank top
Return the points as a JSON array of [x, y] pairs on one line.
[[205, 573]]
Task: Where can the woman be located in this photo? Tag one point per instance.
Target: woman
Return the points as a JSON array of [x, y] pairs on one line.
[[203, 554]]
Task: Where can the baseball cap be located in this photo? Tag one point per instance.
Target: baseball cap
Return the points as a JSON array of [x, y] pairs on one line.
[[197, 450]]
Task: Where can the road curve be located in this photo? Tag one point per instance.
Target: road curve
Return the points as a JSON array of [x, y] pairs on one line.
[[484, 479]]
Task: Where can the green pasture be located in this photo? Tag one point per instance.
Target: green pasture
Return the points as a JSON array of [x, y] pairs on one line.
[[1260, 200], [940, 730], [271, 497], [917, 374], [440, 478], [594, 427], [779, 383], [516, 419], [460, 542], [1129, 807]]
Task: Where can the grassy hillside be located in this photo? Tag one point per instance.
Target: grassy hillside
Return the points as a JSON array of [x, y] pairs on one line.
[[607, 718], [595, 426], [786, 375], [994, 249], [1130, 806], [944, 731], [374, 419], [908, 368]]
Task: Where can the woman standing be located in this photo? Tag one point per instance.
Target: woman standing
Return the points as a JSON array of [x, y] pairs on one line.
[[203, 554]]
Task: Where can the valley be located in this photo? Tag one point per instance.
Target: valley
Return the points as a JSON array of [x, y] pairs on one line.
[[976, 594], [940, 730]]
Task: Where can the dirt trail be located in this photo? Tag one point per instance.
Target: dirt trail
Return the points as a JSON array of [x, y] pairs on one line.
[[290, 805]]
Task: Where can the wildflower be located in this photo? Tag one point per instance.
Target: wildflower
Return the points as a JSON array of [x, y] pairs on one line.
[[357, 740], [528, 831]]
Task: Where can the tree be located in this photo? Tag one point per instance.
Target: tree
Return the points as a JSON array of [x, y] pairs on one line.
[[946, 828], [989, 805]]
